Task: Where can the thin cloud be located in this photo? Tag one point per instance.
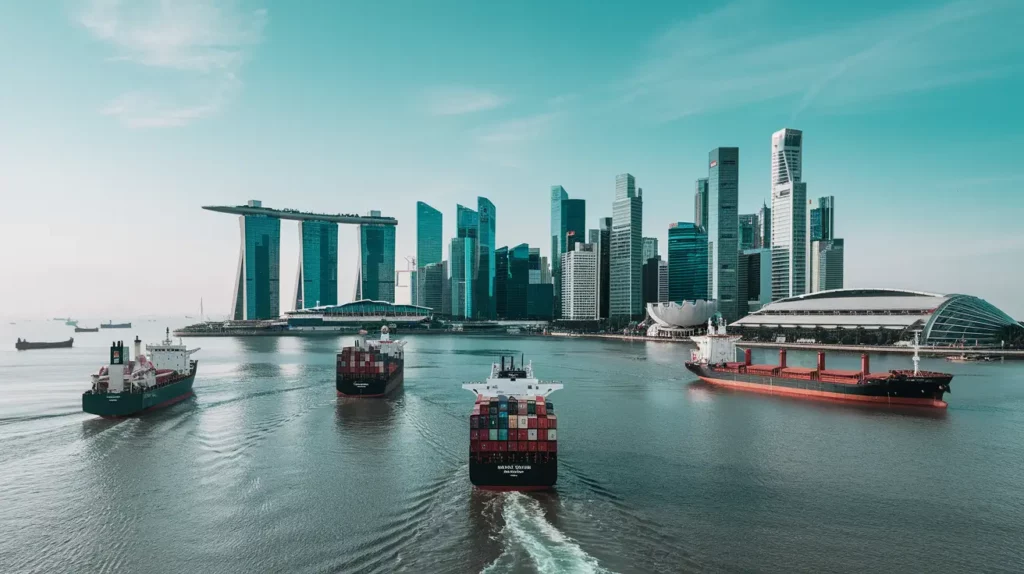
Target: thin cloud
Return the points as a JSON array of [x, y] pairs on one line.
[[726, 59], [203, 44], [453, 101], [517, 130]]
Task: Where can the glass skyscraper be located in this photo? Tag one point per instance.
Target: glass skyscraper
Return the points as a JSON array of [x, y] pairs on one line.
[[723, 232], [764, 228], [626, 264], [826, 264], [257, 283], [687, 262], [748, 231], [483, 301], [822, 219], [604, 250], [432, 278], [462, 258], [574, 223], [700, 203], [317, 282], [789, 215], [501, 282], [558, 194], [429, 242], [517, 289], [376, 262]]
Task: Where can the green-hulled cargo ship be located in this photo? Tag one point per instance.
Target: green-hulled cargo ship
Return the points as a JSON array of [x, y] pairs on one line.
[[127, 387]]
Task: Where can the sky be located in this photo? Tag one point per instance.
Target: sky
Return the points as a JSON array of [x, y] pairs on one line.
[[119, 119]]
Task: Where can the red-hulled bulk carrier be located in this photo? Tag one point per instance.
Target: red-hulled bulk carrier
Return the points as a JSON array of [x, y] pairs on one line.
[[513, 431], [714, 362], [371, 368]]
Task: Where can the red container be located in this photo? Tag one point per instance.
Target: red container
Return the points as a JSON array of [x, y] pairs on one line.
[[542, 422], [542, 446], [474, 434], [552, 422], [501, 446], [513, 446], [552, 446], [542, 409], [474, 446], [521, 434], [485, 446], [532, 422], [531, 446]]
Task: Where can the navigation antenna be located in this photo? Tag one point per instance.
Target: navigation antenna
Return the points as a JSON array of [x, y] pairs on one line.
[[917, 357]]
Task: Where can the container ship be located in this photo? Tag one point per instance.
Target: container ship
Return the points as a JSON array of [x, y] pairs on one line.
[[29, 345], [371, 368], [127, 386], [714, 362], [513, 430]]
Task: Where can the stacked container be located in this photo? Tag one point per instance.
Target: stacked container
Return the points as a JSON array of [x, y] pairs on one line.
[[357, 362], [512, 430]]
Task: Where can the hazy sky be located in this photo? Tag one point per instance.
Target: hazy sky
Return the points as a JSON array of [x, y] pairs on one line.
[[119, 119]]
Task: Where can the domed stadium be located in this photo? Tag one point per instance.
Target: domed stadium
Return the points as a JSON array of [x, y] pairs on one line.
[[681, 315], [881, 316]]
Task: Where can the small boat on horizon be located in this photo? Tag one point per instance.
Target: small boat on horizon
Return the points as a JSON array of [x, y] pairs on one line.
[[86, 329], [28, 345], [113, 325], [71, 323], [965, 358]]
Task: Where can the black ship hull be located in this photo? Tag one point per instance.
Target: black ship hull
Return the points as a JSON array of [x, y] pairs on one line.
[[899, 388], [27, 346], [369, 386], [528, 471]]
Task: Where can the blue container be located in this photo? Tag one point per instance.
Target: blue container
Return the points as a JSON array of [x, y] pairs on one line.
[[492, 434], [502, 434], [493, 420]]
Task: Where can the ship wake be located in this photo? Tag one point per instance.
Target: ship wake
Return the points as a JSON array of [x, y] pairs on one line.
[[530, 541]]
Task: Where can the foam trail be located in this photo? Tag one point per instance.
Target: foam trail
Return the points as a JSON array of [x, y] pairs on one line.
[[527, 531]]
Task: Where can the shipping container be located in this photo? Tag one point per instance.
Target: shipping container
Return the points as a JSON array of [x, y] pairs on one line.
[[531, 434], [502, 446], [524, 434], [502, 434], [502, 420], [542, 446], [513, 446], [550, 408], [531, 446], [531, 407], [552, 434], [485, 446], [474, 421], [552, 422], [474, 446], [492, 434], [492, 421], [552, 446], [542, 422], [531, 422], [513, 422], [524, 421], [513, 406]]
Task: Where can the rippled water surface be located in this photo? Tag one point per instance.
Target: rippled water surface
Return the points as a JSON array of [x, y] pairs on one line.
[[266, 470]]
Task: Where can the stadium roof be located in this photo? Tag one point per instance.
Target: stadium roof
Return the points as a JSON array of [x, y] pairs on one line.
[[944, 319]]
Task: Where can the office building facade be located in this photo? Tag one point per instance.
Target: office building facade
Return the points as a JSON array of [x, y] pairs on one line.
[[789, 215], [579, 283], [429, 241], [650, 282], [501, 282], [755, 277], [662, 281], [747, 227], [317, 281], [723, 232], [432, 278], [687, 262], [604, 250], [764, 228], [376, 262], [461, 257], [521, 259], [826, 264], [626, 263], [822, 219], [483, 301], [257, 293], [700, 203], [558, 195]]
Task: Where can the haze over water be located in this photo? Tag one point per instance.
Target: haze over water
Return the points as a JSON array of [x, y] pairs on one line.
[[267, 470]]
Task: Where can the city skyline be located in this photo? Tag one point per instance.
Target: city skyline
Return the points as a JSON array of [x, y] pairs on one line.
[[168, 127]]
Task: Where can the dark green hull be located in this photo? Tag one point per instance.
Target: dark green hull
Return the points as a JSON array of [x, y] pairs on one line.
[[113, 405]]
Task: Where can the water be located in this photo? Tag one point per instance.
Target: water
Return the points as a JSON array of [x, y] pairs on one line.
[[266, 470]]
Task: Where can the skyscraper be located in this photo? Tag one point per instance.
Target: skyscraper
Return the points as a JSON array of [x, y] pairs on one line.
[[604, 250], [687, 262], [650, 280], [257, 283], [662, 281], [432, 278], [519, 259], [376, 262], [700, 203], [579, 283], [461, 256], [626, 265], [822, 219], [463, 262], [317, 281], [649, 250], [484, 265], [826, 264], [748, 231], [755, 279], [723, 223], [429, 242], [789, 215], [764, 228], [574, 223], [501, 282], [558, 194]]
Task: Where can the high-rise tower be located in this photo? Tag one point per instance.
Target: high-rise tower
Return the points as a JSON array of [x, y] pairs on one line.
[[626, 264], [317, 282], [376, 262], [723, 230], [484, 303], [258, 281], [789, 215]]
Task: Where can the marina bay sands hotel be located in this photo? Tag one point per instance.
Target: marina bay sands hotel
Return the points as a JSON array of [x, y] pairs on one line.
[[257, 293]]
